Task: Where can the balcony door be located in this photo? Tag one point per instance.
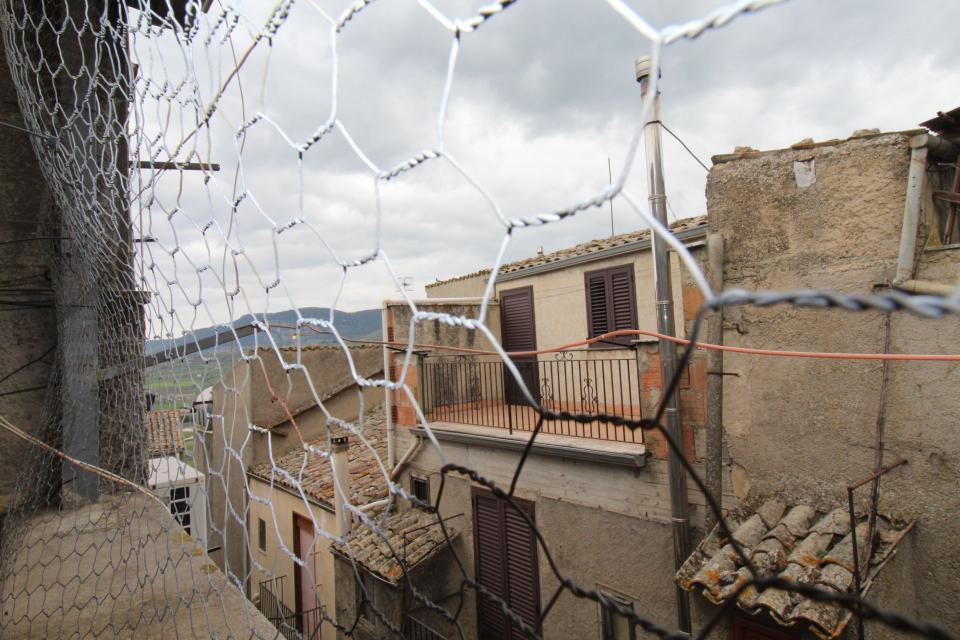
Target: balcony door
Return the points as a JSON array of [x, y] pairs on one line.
[[304, 578], [519, 330]]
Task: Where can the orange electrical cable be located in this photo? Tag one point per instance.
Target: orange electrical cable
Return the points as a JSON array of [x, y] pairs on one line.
[[933, 357]]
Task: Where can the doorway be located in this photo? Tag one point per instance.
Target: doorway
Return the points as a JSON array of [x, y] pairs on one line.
[[304, 578]]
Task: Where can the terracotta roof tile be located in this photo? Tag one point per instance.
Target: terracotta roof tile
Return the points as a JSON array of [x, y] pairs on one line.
[[591, 246], [164, 437], [314, 472], [802, 544], [414, 535]]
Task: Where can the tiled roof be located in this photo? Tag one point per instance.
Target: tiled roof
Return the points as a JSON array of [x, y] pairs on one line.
[[585, 248], [801, 544], [414, 535], [164, 437], [315, 473]]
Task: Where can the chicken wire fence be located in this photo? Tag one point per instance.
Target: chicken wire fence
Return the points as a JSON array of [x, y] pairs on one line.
[[129, 105]]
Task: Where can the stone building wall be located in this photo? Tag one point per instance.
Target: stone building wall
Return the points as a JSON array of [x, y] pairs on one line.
[[829, 216]]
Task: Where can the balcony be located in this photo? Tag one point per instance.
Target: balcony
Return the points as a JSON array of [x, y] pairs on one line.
[[270, 604], [479, 390]]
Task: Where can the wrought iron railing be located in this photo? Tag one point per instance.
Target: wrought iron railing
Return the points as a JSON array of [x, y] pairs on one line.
[[414, 629], [271, 606], [310, 622], [480, 391]]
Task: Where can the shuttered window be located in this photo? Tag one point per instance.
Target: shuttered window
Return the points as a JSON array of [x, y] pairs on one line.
[[506, 559], [611, 303]]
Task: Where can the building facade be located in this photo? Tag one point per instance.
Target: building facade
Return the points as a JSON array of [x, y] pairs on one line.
[[250, 426], [591, 489], [856, 216]]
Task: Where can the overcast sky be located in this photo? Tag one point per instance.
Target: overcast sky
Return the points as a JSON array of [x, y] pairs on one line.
[[542, 96]]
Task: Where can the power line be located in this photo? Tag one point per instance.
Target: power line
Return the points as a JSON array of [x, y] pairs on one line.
[[683, 144]]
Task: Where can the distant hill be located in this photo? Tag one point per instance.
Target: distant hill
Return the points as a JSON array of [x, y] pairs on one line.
[[357, 324]]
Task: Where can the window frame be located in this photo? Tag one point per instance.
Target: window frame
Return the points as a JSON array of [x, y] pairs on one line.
[[262, 535], [422, 481], [607, 615], [363, 582], [607, 272], [181, 507]]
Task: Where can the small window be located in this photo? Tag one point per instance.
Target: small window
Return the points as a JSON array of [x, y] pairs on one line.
[[180, 506], [611, 303], [420, 488], [261, 534], [365, 603], [613, 625]]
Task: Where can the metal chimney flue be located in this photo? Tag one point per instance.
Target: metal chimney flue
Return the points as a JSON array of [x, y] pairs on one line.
[[339, 456], [679, 505]]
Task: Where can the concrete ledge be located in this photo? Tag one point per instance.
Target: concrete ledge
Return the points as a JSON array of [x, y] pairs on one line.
[[602, 452]]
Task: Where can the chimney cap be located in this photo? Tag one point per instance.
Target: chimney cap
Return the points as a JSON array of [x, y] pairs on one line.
[[642, 67]]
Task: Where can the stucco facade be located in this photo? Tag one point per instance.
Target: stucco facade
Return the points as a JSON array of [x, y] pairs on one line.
[[276, 506], [230, 447]]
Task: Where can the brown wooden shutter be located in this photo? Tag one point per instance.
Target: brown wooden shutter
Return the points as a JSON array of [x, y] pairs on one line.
[[623, 305], [523, 581], [597, 318], [611, 302], [516, 316], [506, 558], [518, 327], [491, 570]]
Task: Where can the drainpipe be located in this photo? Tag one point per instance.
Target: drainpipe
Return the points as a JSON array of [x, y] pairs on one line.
[[714, 462], [385, 330], [340, 459], [921, 147], [679, 507]]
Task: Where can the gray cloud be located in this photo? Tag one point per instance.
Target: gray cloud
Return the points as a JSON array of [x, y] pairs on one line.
[[542, 96]]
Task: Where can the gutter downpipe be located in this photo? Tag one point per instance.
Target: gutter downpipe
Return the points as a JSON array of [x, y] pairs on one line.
[[387, 391], [714, 461], [921, 147], [679, 505]]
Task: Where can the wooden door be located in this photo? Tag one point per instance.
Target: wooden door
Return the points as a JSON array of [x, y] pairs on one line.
[[304, 577], [518, 326], [506, 565]]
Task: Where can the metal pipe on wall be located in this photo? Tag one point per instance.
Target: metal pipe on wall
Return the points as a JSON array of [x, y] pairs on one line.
[[340, 460], [679, 505], [714, 461], [386, 322], [922, 147]]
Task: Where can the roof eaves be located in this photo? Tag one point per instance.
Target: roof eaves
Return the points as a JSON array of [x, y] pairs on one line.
[[694, 233]]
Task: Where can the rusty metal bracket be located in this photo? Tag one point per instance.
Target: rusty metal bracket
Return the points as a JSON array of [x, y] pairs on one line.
[[853, 534]]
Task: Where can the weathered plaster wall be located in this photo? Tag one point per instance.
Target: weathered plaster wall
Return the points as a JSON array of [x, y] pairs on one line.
[[804, 428]]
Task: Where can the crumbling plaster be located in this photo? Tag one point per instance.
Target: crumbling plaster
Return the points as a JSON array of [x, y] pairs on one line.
[[803, 429]]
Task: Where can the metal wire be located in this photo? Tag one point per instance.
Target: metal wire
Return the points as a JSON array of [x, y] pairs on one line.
[[109, 95]]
